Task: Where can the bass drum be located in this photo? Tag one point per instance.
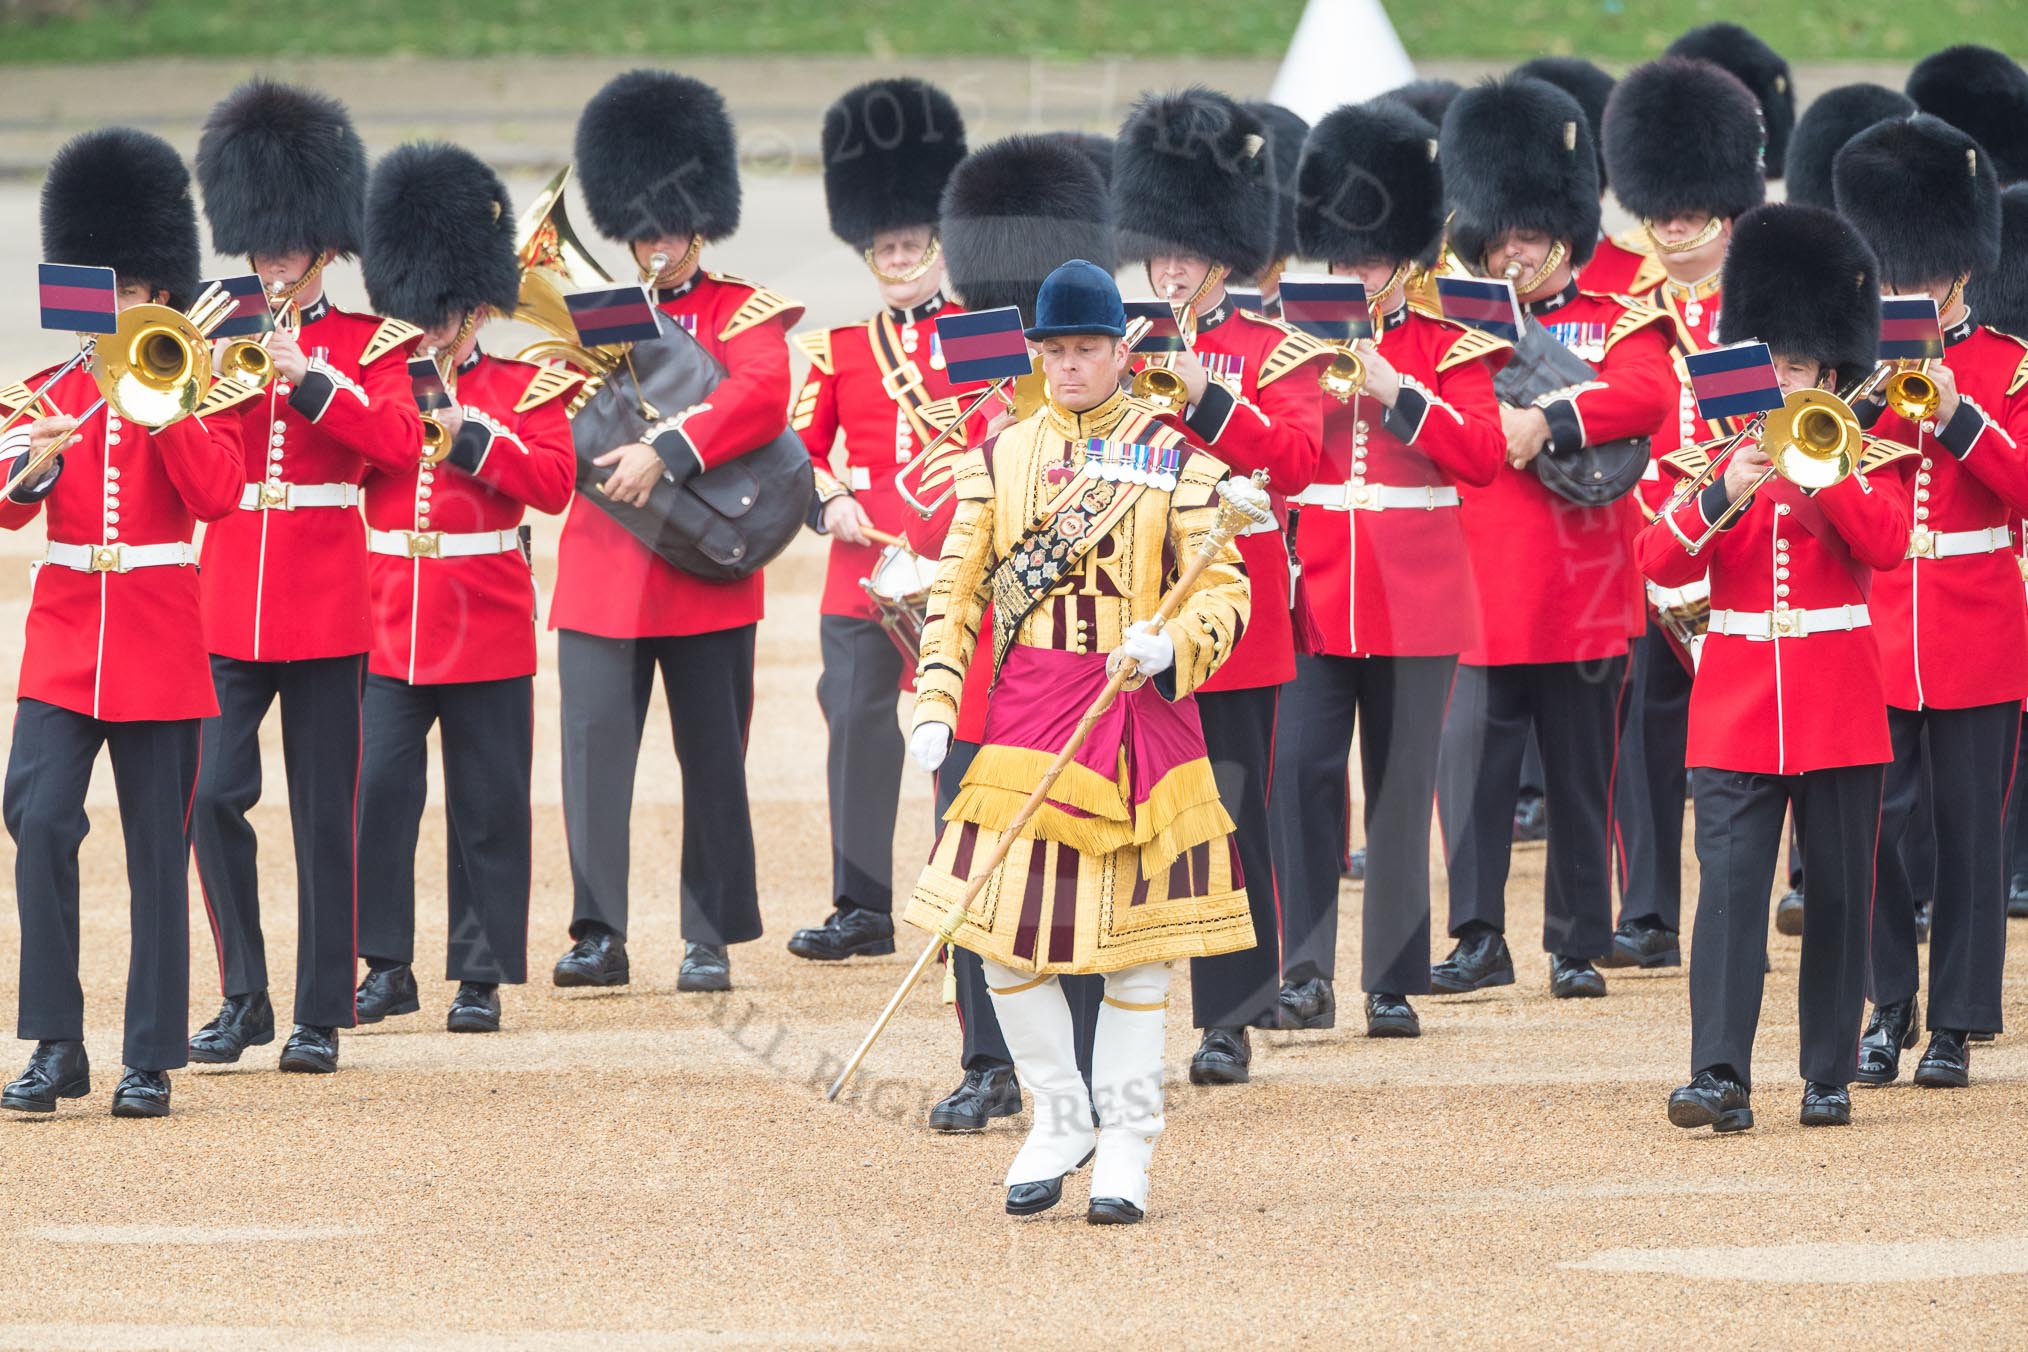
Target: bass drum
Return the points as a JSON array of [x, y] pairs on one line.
[[721, 525]]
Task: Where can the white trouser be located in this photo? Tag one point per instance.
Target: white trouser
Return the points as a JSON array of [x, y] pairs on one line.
[[1126, 1080], [1035, 1021]]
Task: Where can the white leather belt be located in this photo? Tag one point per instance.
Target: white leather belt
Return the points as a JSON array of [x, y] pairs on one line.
[[1355, 497], [436, 544], [1770, 624], [265, 497], [120, 558], [1924, 543], [858, 478]]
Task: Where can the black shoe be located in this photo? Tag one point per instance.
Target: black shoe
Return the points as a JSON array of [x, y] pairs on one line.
[[1222, 1058], [985, 1093], [705, 968], [1977, 1036], [1925, 911], [2017, 896], [1826, 1105], [1891, 1031], [1391, 1016], [849, 932], [242, 1021], [142, 1093], [1946, 1063], [1029, 1199], [1574, 978], [311, 1050], [56, 1070], [1531, 819], [475, 1008], [1480, 960], [1789, 913], [1711, 1100], [599, 958], [1637, 945], [385, 991], [1308, 1004], [1112, 1211], [1354, 867]]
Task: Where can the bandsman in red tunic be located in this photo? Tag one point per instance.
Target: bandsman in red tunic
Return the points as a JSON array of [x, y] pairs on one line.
[[1384, 564], [879, 386], [1558, 595], [284, 580], [453, 597], [1793, 588], [659, 163], [1286, 133], [1621, 265], [1194, 198], [114, 655], [1683, 144], [1951, 620]]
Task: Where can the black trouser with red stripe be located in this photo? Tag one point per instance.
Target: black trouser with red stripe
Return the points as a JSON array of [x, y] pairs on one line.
[[1648, 789], [1739, 839], [320, 754], [1397, 706], [1574, 708], [605, 685], [154, 771], [1971, 753], [489, 754], [857, 692], [1241, 989], [983, 1046]]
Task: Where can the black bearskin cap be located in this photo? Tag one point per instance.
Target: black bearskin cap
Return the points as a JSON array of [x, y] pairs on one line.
[[657, 156], [1760, 68], [1192, 174], [1017, 210], [1835, 117], [1982, 93], [889, 146], [439, 236], [1924, 196], [1586, 83], [1684, 135], [120, 198], [1801, 280], [1369, 185], [1517, 155], [1999, 295], [283, 171], [1286, 133], [1094, 147], [1429, 100]]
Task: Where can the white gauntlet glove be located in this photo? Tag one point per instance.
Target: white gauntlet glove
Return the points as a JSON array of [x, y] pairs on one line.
[[928, 745], [1151, 649]]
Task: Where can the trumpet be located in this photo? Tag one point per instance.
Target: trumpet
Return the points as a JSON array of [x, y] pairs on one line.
[[1814, 440], [1906, 387], [1156, 383], [247, 360]]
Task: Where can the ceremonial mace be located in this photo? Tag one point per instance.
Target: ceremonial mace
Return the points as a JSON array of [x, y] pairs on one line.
[[1242, 503]]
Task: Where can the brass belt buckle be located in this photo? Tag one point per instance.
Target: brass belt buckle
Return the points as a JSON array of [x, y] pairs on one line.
[[1786, 623], [1922, 543], [274, 494], [106, 559], [1361, 496], [424, 544]]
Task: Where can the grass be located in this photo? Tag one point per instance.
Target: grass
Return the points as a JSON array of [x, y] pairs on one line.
[[41, 31]]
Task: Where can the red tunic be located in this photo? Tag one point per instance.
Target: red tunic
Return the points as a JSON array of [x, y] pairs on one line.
[[1788, 705], [1556, 581], [607, 582], [926, 537], [129, 646], [1618, 269], [1693, 316], [1954, 631], [1262, 411], [1397, 582], [847, 392], [440, 619], [283, 585]]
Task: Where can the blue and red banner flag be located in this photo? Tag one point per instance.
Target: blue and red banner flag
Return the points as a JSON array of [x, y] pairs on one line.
[[1909, 329], [1486, 303], [983, 345], [250, 315], [1162, 334], [616, 314], [80, 299], [1332, 308], [1737, 381]]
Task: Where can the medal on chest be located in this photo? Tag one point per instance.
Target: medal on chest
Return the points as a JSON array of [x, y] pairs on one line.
[[1587, 340]]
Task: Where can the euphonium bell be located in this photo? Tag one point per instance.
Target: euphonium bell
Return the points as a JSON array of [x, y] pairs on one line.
[[1344, 377], [156, 367], [1814, 439]]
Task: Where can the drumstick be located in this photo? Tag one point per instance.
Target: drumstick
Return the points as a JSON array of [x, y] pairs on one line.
[[881, 537]]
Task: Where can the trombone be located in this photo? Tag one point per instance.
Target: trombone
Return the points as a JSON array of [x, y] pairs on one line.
[[246, 359], [155, 369], [1814, 440], [1156, 383]]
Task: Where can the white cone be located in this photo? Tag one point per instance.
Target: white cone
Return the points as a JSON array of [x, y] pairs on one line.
[[1344, 51], [1035, 1021], [1126, 1080]]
